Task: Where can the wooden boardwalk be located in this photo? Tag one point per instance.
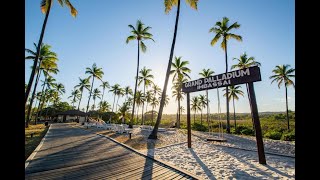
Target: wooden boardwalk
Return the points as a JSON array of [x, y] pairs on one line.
[[73, 153]]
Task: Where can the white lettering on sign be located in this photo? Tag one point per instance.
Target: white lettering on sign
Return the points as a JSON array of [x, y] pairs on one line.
[[215, 81]]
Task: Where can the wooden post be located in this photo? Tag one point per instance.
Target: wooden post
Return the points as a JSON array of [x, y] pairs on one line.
[[262, 158], [188, 120]]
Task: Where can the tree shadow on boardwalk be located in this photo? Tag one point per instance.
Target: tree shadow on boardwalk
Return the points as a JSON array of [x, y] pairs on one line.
[[206, 170], [148, 166]]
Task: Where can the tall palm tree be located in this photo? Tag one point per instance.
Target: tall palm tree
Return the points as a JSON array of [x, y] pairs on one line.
[[156, 90], [154, 103], [127, 92], [222, 30], [233, 93], [104, 85], [59, 87], [205, 73], [148, 96], [75, 94], [282, 74], [177, 86], [243, 63], [139, 100], [203, 104], [47, 62], [48, 83], [195, 106], [45, 8], [96, 94], [93, 72], [139, 33], [119, 93], [146, 78], [168, 6], [83, 84], [114, 89]]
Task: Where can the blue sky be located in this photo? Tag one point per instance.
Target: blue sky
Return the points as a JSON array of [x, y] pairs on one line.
[[99, 32]]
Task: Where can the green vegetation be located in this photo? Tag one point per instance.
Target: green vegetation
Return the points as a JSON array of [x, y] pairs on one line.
[[31, 143]]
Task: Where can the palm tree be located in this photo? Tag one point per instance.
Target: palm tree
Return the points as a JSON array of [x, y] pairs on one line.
[[83, 84], [139, 100], [123, 110], [156, 90], [96, 94], [93, 72], [114, 89], [179, 69], [139, 33], [75, 94], [127, 92], [47, 62], [195, 106], [177, 85], [104, 106], [154, 103], [104, 85], [145, 77], [59, 87], [168, 6], [282, 74], [205, 73], [243, 63], [119, 93], [203, 103], [148, 97], [45, 8], [48, 83], [233, 93], [222, 30]]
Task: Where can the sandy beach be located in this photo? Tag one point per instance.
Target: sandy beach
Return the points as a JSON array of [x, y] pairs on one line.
[[235, 159]]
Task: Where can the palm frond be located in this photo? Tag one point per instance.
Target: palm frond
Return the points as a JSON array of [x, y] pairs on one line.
[[215, 39], [143, 47]]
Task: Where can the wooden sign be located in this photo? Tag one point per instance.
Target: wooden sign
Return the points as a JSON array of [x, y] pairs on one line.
[[241, 76]]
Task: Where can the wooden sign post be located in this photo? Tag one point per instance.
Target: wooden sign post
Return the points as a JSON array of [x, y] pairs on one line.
[[241, 76], [188, 120]]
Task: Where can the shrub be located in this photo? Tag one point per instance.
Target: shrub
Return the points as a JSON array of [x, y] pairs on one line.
[[276, 135], [288, 136], [247, 131], [199, 127]]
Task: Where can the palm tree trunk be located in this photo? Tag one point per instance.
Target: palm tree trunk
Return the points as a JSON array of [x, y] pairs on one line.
[[32, 97], [287, 106], [90, 93], [250, 108], [102, 94], [152, 117], [114, 100], [80, 100], [146, 109], [178, 121], [89, 98], [207, 107], [117, 103], [154, 132], [37, 55], [42, 95], [137, 114], [135, 88], [227, 97], [73, 101], [144, 94], [234, 115]]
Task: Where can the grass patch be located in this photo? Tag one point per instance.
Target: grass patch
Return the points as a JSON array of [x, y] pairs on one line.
[[31, 143]]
